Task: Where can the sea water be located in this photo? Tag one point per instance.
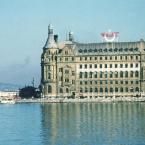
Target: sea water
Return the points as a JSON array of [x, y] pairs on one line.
[[72, 124]]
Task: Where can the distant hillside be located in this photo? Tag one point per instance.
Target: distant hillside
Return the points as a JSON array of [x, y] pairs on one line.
[[9, 87]]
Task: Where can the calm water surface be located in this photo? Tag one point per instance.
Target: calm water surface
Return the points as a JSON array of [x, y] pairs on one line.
[[73, 124]]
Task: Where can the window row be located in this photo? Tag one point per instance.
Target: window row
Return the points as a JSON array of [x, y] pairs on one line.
[[110, 74], [108, 82], [106, 90], [131, 65], [105, 50], [122, 57]]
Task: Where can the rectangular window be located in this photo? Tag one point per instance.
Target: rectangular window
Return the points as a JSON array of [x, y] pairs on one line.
[[110, 65], [100, 65], [136, 65], [126, 65], [73, 73], [80, 65], [66, 59], [85, 58], [80, 58], [131, 65], [95, 58], [126, 82], [105, 57], [90, 65], [100, 58], [81, 82], [95, 65], [136, 57], [66, 71], [115, 65], [60, 69], [115, 57], [73, 81], [121, 65], [105, 65], [85, 65]]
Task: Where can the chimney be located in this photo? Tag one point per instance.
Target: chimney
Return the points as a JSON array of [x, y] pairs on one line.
[[56, 38]]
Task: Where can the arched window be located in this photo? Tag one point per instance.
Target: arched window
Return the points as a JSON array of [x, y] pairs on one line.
[[111, 90], [91, 90], [101, 90], [121, 89], [96, 89], [67, 90], [49, 89], [106, 74], [61, 90], [116, 74], [137, 89], [95, 75], [131, 89], [116, 89], [81, 90], [106, 90], [121, 74], [91, 74], [86, 90], [81, 74], [131, 74], [126, 74], [111, 74], [136, 74], [126, 89], [101, 74], [49, 75], [86, 74]]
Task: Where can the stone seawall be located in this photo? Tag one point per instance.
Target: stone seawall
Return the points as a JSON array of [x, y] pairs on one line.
[[58, 100]]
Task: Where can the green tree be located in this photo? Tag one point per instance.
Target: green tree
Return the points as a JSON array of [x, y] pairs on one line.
[[29, 92]]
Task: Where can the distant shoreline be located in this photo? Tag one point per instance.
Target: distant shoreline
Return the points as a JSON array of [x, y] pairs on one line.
[[99, 100]]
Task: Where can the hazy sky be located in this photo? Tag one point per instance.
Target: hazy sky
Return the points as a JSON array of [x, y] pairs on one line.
[[23, 29]]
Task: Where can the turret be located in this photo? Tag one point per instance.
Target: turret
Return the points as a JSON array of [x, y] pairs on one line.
[[50, 43], [71, 36]]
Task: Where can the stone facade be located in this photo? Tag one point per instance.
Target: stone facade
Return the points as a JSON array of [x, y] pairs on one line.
[[92, 70]]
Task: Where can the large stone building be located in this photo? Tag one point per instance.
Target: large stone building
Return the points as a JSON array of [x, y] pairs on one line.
[[92, 70]]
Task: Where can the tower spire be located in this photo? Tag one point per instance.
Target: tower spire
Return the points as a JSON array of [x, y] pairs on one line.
[[71, 36], [50, 43]]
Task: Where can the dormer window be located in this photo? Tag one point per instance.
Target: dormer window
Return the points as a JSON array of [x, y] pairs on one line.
[[95, 50], [136, 49], [90, 50], [80, 50], [66, 52], [85, 50]]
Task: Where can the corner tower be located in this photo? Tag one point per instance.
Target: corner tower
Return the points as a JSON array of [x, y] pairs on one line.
[[49, 65]]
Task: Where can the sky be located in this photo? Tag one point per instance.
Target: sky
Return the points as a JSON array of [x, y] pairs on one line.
[[24, 24]]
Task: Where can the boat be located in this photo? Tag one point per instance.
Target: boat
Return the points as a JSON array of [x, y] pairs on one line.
[[8, 101]]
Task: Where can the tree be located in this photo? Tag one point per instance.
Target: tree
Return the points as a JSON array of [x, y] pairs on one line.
[[29, 92]]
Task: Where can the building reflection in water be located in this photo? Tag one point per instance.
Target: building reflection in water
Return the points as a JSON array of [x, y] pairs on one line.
[[93, 123]]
